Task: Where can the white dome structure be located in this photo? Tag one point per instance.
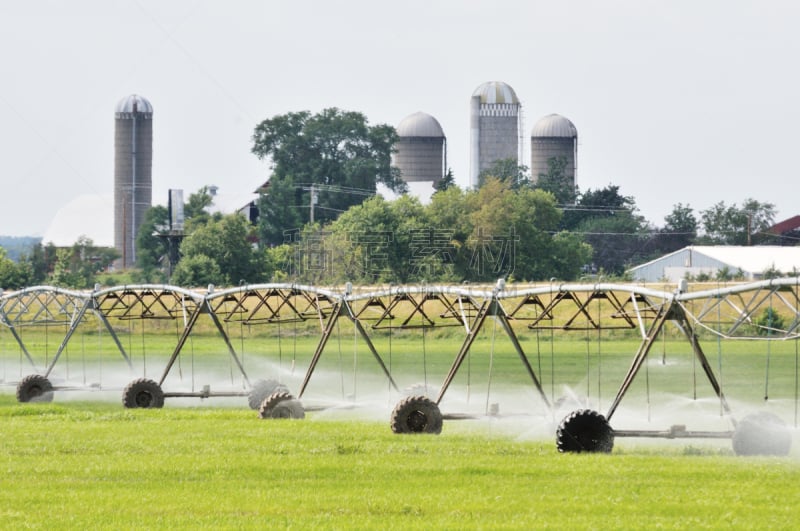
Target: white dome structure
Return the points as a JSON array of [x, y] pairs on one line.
[[554, 137], [495, 128], [86, 215], [134, 103], [421, 149], [494, 92], [554, 126], [420, 124]]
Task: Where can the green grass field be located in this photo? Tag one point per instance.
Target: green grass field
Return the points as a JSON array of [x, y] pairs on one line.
[[85, 462], [94, 465]]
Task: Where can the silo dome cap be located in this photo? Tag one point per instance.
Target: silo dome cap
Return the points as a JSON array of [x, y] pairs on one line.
[[496, 92], [134, 103], [420, 124], [554, 125]]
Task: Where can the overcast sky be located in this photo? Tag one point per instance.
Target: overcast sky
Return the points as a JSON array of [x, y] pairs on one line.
[[675, 101]]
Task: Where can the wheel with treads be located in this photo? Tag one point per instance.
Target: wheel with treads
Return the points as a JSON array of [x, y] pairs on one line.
[[584, 430], [416, 414], [262, 389], [281, 405], [762, 434], [143, 393], [34, 388]]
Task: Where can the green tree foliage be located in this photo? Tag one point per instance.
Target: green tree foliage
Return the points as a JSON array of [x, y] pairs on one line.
[[335, 149], [14, 275], [769, 322], [445, 182], [77, 266], [151, 248], [195, 210], [371, 242], [603, 202], [197, 270], [480, 235], [153, 245], [514, 230], [508, 171], [680, 229], [280, 210], [732, 225], [608, 221], [448, 214], [555, 181], [226, 244], [31, 269], [42, 261]]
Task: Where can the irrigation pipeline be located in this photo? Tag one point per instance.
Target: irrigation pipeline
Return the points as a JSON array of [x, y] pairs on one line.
[[731, 311]]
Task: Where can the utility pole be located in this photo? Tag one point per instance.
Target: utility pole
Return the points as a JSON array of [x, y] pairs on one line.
[[312, 201], [749, 227]]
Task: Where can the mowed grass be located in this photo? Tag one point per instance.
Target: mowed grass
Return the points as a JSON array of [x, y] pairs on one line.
[[75, 464], [95, 465]]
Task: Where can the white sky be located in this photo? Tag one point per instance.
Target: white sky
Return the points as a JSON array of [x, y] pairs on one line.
[[691, 101]]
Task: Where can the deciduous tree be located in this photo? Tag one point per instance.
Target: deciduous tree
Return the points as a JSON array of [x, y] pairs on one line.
[[732, 225], [336, 151], [555, 181], [225, 242]]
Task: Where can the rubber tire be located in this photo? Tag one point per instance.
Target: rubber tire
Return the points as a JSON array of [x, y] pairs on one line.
[[416, 414], [143, 393], [584, 430], [261, 390], [281, 405], [762, 434], [34, 388]]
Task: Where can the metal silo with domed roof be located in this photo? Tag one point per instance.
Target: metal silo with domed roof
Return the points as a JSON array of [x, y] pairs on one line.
[[554, 136], [421, 149], [495, 115], [133, 183]]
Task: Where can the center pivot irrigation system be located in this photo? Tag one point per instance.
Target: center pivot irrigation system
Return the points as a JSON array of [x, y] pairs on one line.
[[62, 335]]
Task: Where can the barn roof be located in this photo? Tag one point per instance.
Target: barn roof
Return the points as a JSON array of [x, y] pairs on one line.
[[750, 259], [786, 225]]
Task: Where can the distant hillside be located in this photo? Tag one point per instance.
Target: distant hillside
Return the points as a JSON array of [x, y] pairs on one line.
[[16, 246]]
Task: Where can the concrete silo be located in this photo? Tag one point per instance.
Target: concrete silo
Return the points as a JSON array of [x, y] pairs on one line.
[[495, 115], [554, 136], [133, 162], [421, 149]]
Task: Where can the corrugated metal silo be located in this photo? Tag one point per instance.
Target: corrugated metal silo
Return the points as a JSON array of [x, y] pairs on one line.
[[421, 149], [495, 114], [554, 136], [133, 162]]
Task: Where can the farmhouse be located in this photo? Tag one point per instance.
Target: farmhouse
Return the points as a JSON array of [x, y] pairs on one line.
[[751, 262]]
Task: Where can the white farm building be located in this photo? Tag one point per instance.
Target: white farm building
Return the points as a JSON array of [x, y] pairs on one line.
[[695, 260]]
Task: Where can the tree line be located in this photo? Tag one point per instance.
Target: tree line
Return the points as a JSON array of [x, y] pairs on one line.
[[322, 221]]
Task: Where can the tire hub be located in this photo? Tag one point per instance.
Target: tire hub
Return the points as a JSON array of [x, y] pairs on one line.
[[417, 421], [144, 399]]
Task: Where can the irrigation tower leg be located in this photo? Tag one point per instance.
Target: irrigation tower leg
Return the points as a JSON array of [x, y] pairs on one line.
[[483, 312], [676, 313], [72, 327], [521, 353], [343, 308], [18, 339], [114, 336], [187, 329], [203, 308], [491, 308]]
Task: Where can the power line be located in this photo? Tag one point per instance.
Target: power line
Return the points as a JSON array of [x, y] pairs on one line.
[[336, 188]]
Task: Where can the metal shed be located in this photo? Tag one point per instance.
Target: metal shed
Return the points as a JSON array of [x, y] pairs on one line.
[[694, 260]]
